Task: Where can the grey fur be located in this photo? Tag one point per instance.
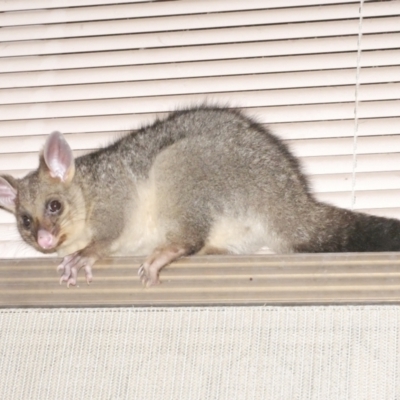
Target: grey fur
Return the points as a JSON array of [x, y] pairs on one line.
[[210, 170]]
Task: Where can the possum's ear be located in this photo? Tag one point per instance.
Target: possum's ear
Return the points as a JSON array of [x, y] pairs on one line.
[[58, 158], [8, 193]]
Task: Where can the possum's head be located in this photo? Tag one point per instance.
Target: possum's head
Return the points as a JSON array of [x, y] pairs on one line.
[[47, 203]]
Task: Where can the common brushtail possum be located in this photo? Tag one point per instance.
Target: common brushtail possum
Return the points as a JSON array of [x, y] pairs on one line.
[[205, 180]]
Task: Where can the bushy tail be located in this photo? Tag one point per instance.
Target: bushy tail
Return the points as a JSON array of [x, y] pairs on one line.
[[341, 230]]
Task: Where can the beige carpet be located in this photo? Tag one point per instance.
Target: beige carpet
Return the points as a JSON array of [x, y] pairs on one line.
[[341, 352]]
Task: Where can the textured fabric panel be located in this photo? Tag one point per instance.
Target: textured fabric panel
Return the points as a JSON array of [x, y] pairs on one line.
[[341, 352]]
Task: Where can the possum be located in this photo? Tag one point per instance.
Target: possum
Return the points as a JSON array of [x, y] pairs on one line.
[[204, 180]]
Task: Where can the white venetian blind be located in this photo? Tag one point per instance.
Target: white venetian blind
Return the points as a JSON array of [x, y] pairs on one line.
[[324, 74]]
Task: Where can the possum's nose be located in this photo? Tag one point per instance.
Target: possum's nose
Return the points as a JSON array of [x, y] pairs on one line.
[[45, 239]]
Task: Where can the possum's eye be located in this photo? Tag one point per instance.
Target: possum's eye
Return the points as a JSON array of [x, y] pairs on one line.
[[54, 207], [26, 221]]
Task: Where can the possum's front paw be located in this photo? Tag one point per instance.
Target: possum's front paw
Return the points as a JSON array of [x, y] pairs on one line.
[[71, 265]]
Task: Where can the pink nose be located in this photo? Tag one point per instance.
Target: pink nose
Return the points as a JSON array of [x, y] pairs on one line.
[[45, 239]]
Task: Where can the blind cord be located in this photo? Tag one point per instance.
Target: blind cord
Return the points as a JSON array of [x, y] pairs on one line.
[[358, 70]]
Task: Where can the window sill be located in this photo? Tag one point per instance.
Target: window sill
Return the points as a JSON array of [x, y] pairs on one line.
[[367, 278]]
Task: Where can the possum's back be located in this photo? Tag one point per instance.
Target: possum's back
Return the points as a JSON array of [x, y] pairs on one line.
[[216, 165], [227, 152]]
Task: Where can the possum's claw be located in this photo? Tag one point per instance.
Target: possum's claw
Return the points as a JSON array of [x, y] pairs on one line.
[[150, 269], [148, 276], [71, 265]]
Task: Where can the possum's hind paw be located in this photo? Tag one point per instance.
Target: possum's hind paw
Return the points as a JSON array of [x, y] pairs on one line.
[[71, 265], [150, 269], [148, 275]]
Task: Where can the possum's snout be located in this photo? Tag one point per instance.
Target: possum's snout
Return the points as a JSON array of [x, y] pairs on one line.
[[46, 240]]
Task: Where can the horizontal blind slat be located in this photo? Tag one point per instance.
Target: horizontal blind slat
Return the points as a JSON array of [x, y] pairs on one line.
[[344, 146], [364, 181], [25, 160], [79, 141], [344, 164], [175, 8], [16, 173], [380, 8], [9, 232], [7, 218], [363, 199], [21, 5], [343, 128], [18, 249], [384, 212], [37, 126], [321, 112]]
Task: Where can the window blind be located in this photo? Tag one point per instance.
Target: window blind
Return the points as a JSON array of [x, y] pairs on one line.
[[325, 75]]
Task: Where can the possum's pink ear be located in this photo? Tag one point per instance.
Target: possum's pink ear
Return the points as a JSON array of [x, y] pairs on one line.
[[58, 158], [8, 193]]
